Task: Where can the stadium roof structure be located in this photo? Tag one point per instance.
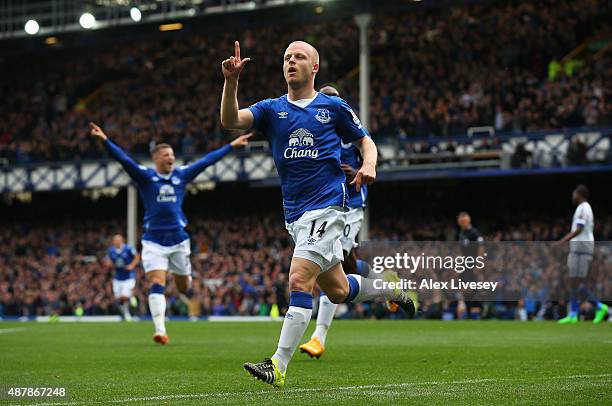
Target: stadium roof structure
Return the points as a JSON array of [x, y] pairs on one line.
[[23, 18]]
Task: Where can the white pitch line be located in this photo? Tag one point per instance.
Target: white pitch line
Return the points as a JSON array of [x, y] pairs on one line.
[[309, 390], [12, 330]]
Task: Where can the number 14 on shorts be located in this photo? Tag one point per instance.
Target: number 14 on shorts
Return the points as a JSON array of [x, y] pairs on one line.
[[320, 230]]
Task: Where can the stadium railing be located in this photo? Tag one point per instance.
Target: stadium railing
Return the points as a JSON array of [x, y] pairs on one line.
[[560, 151]]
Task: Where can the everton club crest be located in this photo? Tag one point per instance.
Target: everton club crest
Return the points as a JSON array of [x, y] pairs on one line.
[[323, 116]]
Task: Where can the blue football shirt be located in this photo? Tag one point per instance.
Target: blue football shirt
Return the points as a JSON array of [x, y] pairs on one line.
[[162, 195], [121, 258], [350, 155], [305, 144]]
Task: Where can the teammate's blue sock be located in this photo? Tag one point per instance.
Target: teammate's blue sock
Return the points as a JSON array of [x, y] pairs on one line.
[[363, 268], [189, 293]]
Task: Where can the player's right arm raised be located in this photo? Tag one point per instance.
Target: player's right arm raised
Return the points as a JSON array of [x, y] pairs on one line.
[[231, 116], [133, 169]]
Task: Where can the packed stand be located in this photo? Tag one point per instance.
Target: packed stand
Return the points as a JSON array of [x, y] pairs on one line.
[[434, 72], [487, 65], [240, 266]]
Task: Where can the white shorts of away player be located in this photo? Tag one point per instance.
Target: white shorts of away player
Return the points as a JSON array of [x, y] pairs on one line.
[[354, 220], [578, 264], [123, 288], [317, 236], [174, 258]]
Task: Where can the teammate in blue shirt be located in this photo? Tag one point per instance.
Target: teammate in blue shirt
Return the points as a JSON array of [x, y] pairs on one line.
[[350, 159], [123, 259], [305, 129], [165, 243]]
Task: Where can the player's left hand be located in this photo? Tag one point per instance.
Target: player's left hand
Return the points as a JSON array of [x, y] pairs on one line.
[[364, 176], [241, 141]]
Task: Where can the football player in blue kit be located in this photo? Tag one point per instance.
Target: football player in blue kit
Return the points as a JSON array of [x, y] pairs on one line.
[[350, 160], [123, 258], [305, 129], [165, 243]]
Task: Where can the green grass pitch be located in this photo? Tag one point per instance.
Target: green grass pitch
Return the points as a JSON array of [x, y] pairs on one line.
[[367, 362]]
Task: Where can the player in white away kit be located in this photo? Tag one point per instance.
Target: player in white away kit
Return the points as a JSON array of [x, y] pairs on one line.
[[165, 243], [305, 129], [123, 258], [582, 244]]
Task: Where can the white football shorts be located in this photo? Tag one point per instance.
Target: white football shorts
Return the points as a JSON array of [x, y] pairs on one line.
[[354, 220], [123, 288], [317, 234], [174, 258]]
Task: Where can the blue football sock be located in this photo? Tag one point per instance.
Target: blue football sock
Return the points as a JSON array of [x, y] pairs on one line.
[[590, 296], [574, 304], [353, 287]]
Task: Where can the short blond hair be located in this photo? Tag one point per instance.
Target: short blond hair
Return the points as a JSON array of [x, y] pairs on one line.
[[313, 50]]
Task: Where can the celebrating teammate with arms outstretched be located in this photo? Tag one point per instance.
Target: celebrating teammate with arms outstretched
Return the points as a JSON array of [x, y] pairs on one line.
[[165, 244], [305, 129]]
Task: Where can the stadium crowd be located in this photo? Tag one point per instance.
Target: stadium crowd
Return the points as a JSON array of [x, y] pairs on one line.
[[240, 266], [434, 72], [486, 66]]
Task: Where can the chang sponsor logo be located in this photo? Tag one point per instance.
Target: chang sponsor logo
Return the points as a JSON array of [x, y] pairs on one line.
[[301, 138], [166, 194]]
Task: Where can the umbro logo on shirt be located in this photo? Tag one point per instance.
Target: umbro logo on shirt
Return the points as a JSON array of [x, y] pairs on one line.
[[282, 114]]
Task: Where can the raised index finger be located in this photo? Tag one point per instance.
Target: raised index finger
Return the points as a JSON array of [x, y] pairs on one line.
[[237, 50]]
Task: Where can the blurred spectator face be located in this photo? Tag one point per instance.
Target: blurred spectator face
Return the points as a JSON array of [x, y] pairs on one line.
[[118, 241], [164, 160], [301, 64], [464, 221]]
